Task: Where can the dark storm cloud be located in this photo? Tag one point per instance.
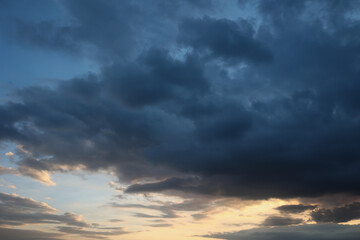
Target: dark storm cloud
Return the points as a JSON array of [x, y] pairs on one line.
[[218, 121], [338, 214], [184, 98], [280, 12], [303, 232], [156, 77], [44, 34], [299, 208], [281, 221], [103, 30], [223, 38], [8, 117]]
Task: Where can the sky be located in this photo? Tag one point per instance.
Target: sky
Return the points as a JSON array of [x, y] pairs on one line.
[[182, 119]]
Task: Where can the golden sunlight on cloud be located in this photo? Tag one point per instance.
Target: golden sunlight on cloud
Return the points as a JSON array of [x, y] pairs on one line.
[[39, 175], [185, 222], [22, 149], [11, 186], [352, 222], [9, 154]]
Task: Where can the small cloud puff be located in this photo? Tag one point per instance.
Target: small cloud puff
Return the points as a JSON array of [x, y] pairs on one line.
[[9, 154]]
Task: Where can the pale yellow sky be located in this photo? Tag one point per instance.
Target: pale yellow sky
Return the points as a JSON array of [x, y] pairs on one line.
[[94, 198]]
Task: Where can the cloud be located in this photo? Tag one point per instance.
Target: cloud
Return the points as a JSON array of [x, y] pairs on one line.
[[299, 208], [168, 184], [4, 170], [9, 154], [338, 214], [199, 207], [190, 100], [40, 170], [124, 27], [44, 34], [92, 233], [302, 232], [229, 40], [144, 215], [167, 212], [116, 220], [160, 225], [14, 201], [281, 221], [40, 175], [17, 211], [19, 234], [253, 108], [11, 186], [156, 77]]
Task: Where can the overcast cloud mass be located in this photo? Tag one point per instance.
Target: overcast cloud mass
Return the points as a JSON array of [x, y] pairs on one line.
[[205, 100]]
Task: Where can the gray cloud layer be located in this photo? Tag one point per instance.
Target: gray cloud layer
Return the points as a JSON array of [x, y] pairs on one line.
[[17, 211], [17, 234], [304, 232], [281, 221], [299, 208], [338, 214]]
